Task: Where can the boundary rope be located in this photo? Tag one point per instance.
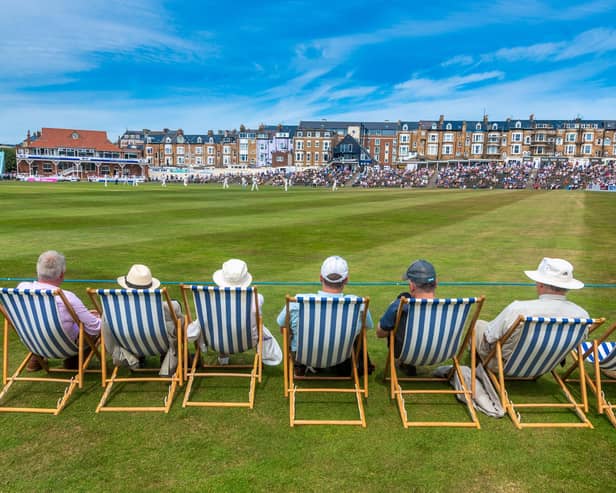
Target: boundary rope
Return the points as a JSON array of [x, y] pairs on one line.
[[311, 283]]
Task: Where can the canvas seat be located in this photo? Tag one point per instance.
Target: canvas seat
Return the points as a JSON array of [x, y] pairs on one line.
[[34, 316], [542, 344], [601, 355], [136, 318], [330, 331], [437, 330], [225, 317]]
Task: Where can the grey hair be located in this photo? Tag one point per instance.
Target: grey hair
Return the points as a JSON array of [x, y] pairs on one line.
[[50, 266]]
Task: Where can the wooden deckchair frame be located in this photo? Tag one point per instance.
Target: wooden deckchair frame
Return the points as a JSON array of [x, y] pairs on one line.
[[359, 390], [499, 378], [77, 378], [597, 380], [398, 393], [174, 380], [227, 371]]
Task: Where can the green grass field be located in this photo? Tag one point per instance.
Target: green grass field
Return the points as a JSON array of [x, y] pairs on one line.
[[185, 234]]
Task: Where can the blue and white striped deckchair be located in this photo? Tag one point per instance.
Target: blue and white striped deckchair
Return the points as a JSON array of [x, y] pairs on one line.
[[136, 319], [225, 317], [601, 354], [329, 331], [33, 313], [435, 331], [542, 343]]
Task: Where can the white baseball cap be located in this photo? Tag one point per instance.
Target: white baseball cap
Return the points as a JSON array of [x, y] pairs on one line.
[[335, 269]]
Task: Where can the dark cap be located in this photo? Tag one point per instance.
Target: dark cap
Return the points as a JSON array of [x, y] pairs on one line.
[[421, 272]]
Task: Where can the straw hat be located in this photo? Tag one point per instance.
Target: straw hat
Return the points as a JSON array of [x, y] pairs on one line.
[[139, 277]]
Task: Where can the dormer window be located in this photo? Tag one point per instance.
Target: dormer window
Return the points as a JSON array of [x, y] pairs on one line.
[[74, 135], [448, 126], [518, 124], [495, 126], [168, 140], [478, 126], [199, 140], [405, 127]]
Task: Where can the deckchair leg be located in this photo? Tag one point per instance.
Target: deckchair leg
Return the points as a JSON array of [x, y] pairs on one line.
[[107, 391]]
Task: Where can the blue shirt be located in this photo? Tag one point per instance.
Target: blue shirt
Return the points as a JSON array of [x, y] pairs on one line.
[[294, 311]]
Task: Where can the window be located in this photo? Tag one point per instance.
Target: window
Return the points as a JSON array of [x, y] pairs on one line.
[[448, 138], [477, 137], [299, 145], [405, 127], [210, 160], [198, 160], [180, 150], [432, 149], [316, 157], [299, 156], [477, 148], [326, 145], [448, 126], [447, 149], [495, 126], [148, 150], [180, 159], [571, 137], [199, 140], [199, 150], [570, 149], [527, 139], [168, 149], [226, 150], [309, 143], [515, 149], [586, 149], [404, 150], [404, 138], [478, 126], [518, 124], [587, 137], [308, 157], [433, 138], [317, 143]]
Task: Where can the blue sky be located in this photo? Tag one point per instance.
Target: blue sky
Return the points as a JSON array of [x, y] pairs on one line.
[[199, 65]]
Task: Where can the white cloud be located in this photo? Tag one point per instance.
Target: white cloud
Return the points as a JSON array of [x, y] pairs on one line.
[[430, 88]]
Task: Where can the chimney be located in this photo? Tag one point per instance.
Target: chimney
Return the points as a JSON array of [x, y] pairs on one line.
[[28, 139], [531, 117], [485, 120], [441, 120]]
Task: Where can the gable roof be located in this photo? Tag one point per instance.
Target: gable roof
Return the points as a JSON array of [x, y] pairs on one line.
[[72, 138]]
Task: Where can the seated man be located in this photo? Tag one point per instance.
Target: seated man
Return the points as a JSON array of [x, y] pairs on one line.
[[140, 277], [422, 284], [50, 269], [334, 276], [553, 278]]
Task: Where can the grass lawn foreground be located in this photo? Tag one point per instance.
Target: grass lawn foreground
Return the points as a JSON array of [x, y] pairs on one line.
[[484, 238]]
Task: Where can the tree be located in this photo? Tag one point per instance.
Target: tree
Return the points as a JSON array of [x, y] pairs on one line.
[[10, 161]]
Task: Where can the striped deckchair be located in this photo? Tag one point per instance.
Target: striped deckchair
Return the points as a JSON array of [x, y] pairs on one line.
[[437, 330], [542, 344], [601, 354], [225, 317], [330, 330], [136, 318], [33, 314]]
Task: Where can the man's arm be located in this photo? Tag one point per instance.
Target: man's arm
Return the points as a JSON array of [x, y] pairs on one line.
[[388, 320], [91, 322]]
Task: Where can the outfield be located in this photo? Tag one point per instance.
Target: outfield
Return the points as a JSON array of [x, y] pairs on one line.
[[184, 234]]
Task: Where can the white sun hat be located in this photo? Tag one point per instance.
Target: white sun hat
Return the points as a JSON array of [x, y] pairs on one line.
[[234, 274], [139, 277], [555, 272]]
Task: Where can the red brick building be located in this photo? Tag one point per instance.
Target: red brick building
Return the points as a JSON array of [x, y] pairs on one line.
[[69, 153]]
